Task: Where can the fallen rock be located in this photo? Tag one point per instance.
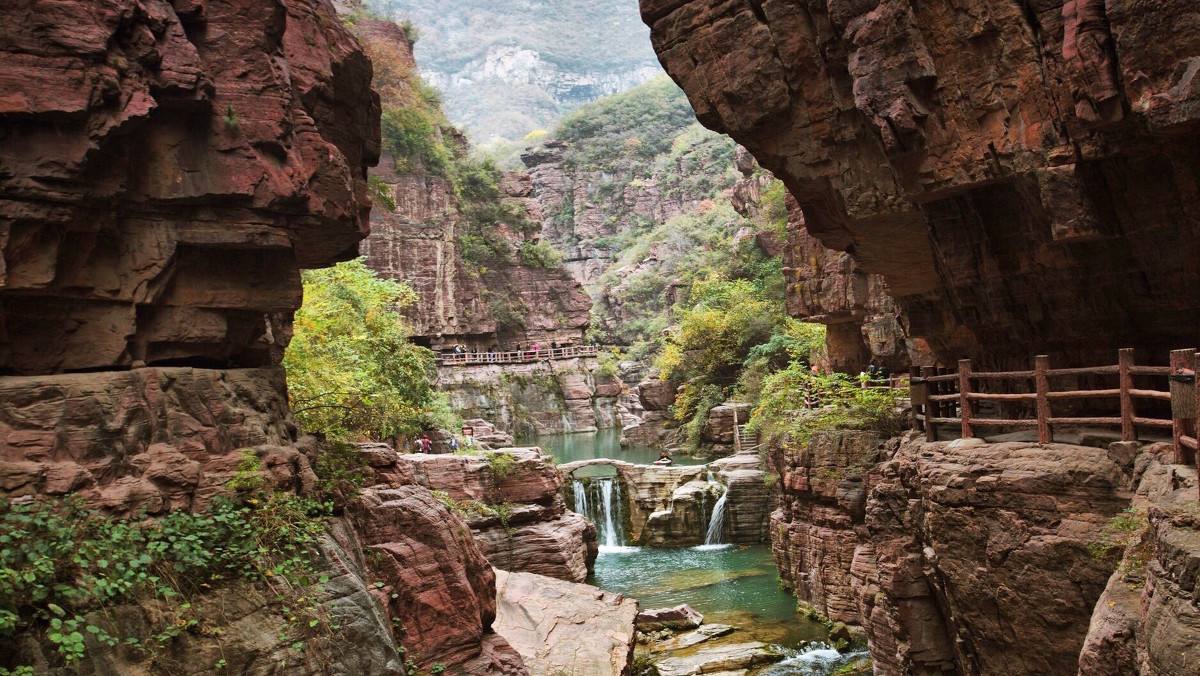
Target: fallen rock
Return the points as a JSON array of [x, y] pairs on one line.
[[565, 628], [702, 633], [729, 657], [681, 616]]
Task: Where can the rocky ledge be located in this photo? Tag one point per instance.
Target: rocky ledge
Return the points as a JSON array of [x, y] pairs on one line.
[[973, 558], [512, 500]]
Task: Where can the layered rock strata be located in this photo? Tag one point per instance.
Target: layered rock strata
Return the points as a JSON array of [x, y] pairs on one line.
[[166, 169], [511, 498], [546, 397], [1018, 173], [750, 497], [955, 558], [416, 240], [565, 628]]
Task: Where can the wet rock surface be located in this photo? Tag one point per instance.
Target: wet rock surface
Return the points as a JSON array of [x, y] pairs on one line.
[[1000, 165]]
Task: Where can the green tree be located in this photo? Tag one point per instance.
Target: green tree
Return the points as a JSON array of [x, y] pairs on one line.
[[352, 372]]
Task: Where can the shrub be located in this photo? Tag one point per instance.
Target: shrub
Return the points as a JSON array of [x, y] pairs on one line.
[[797, 403], [540, 255], [352, 372], [63, 566], [501, 465]]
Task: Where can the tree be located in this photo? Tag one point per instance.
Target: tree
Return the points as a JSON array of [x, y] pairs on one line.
[[352, 372]]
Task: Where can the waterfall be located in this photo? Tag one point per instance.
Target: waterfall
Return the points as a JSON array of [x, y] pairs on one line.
[[716, 524], [600, 500], [610, 530]]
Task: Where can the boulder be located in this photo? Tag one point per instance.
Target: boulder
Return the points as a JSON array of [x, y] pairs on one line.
[[701, 634], [682, 616], [722, 658], [563, 627], [655, 394]]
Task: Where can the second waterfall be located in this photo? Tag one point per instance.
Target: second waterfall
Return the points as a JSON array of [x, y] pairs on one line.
[[600, 499]]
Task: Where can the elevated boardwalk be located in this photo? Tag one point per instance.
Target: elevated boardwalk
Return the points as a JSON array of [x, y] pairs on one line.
[[516, 357]]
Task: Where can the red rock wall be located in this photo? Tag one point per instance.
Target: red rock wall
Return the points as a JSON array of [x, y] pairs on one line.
[[166, 169], [954, 558], [1022, 174]]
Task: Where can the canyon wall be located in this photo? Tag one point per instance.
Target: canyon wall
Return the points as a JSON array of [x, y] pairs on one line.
[[165, 172], [953, 558], [546, 397], [1020, 174]]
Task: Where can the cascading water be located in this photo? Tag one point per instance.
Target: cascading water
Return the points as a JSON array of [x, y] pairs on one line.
[[600, 500], [716, 523]]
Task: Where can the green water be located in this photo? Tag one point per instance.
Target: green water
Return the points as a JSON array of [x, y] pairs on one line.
[[738, 586], [733, 585], [602, 444]]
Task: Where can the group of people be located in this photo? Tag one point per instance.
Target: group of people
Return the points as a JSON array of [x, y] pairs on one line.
[[423, 444], [875, 373]]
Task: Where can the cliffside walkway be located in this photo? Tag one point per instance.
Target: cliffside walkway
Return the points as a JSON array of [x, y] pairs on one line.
[[516, 357], [1148, 397]]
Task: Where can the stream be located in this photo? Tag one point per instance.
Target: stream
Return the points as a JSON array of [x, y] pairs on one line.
[[734, 585]]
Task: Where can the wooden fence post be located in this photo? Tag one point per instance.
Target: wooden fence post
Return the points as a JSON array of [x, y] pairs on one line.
[[914, 394], [1125, 374], [930, 408], [964, 396], [1182, 386], [1041, 382]]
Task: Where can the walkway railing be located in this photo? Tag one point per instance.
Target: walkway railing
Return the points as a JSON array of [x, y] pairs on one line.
[[516, 357], [942, 397]]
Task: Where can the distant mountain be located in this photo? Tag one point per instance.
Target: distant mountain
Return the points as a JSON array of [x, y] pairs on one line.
[[509, 67]]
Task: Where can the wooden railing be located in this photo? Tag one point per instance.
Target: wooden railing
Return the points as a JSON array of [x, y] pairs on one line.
[[515, 357], [942, 397]]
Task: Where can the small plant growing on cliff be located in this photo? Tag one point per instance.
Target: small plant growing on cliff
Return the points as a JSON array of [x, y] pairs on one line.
[[501, 465], [1120, 532], [540, 255], [231, 120]]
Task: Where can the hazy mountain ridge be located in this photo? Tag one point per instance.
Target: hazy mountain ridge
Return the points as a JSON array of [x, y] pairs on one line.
[[508, 68]]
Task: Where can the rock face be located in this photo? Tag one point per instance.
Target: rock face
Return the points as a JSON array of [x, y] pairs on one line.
[[514, 508], [749, 500], [167, 169], [547, 397], [1018, 173], [416, 240], [565, 628], [1146, 622], [150, 439], [956, 558], [437, 584]]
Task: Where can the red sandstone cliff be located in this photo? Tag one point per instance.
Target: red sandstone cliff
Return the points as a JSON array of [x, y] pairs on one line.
[[1021, 174]]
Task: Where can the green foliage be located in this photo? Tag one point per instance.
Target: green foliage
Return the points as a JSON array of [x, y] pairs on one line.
[[413, 137], [692, 407], [352, 373], [501, 464], [1120, 532], [796, 403], [773, 209], [638, 125], [381, 193], [643, 665], [63, 566], [231, 119], [540, 255]]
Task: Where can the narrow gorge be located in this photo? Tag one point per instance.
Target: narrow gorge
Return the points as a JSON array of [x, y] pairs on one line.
[[599, 338]]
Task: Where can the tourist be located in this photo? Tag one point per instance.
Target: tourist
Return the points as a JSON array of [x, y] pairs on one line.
[[426, 444], [664, 458], [453, 443]]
